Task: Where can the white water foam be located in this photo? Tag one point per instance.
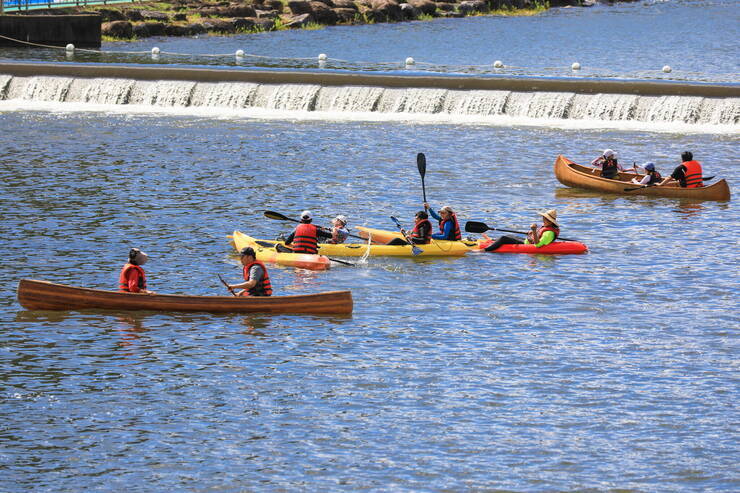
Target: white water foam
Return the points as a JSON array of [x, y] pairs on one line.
[[358, 103]]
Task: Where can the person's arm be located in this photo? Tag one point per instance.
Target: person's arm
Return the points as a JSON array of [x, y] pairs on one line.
[[290, 238], [434, 214], [645, 180], [323, 233], [546, 238]]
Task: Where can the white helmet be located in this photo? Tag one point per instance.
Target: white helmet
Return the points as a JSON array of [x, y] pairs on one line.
[[306, 215], [609, 153]]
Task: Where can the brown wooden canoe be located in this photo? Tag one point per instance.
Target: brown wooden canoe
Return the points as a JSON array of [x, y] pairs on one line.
[[574, 175], [43, 295]]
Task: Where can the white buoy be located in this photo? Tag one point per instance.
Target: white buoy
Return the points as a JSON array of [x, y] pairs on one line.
[[498, 64], [155, 51], [70, 47], [239, 53], [410, 61], [322, 57], [667, 69], [576, 66]]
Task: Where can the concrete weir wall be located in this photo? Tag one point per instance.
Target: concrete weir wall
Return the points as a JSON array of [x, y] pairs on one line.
[[83, 31], [502, 83]]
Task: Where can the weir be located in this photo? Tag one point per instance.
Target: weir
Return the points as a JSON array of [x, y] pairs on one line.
[[376, 94]]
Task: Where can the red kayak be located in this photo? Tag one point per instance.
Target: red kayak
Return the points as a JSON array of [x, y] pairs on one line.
[[554, 248]]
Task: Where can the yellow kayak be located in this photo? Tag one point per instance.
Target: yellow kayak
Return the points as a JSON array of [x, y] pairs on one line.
[[434, 249], [442, 247], [302, 260]]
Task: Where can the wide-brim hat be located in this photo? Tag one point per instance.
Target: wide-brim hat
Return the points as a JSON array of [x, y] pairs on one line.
[[551, 216]]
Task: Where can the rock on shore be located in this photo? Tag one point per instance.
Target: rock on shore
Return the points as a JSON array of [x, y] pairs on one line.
[[193, 17]]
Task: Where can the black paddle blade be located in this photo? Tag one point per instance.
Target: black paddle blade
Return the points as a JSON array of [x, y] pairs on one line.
[[421, 163], [476, 227], [278, 216]]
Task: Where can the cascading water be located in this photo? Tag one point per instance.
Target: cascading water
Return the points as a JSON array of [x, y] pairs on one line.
[[358, 102]]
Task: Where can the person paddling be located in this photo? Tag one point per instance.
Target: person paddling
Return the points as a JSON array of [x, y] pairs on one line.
[[305, 237], [339, 232], [256, 279], [449, 228], [537, 236], [688, 174], [420, 235], [652, 177], [608, 164], [132, 278]]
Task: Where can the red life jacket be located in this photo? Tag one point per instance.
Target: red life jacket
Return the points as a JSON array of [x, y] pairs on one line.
[[124, 275], [426, 236], [455, 225], [541, 231], [263, 287], [693, 174], [305, 239]]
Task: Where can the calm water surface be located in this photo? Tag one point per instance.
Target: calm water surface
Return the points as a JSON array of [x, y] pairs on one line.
[[614, 370]]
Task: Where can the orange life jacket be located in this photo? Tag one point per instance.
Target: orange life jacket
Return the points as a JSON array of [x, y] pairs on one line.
[[426, 236], [456, 228], [123, 278], [693, 174], [541, 231], [263, 287], [305, 239]]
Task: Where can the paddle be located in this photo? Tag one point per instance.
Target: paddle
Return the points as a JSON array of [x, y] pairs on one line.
[[279, 217], [284, 249], [415, 250], [478, 227], [704, 178], [421, 163], [225, 284]]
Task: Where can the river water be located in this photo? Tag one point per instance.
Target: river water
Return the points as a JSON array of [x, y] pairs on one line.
[[614, 370]]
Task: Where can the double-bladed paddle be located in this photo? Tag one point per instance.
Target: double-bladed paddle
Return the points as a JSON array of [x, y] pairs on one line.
[[415, 250], [226, 284], [280, 217], [284, 249], [703, 178], [478, 227], [421, 164]]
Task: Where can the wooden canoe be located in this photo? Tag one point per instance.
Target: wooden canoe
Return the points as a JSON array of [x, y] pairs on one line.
[[574, 175], [43, 295], [300, 260]]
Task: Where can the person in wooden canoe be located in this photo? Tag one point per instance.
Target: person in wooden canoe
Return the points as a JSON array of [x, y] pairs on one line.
[[449, 228], [537, 236], [688, 174], [608, 164], [305, 237], [652, 177], [132, 278], [256, 279], [339, 232], [420, 235]]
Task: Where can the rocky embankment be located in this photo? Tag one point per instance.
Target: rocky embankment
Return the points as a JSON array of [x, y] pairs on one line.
[[194, 17]]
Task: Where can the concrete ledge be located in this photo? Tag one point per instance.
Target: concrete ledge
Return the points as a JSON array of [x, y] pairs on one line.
[[543, 84], [83, 31]]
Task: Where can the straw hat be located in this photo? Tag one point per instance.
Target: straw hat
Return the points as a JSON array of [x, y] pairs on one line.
[[551, 216]]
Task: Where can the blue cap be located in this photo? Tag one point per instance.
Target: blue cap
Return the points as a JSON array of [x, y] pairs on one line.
[[650, 166]]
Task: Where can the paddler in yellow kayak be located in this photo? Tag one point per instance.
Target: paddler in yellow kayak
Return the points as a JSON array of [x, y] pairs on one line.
[[449, 227], [537, 236], [420, 235], [305, 237], [256, 279]]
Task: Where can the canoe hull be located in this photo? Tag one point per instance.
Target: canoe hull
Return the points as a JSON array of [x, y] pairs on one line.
[[554, 248], [574, 175], [43, 295], [300, 260]]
